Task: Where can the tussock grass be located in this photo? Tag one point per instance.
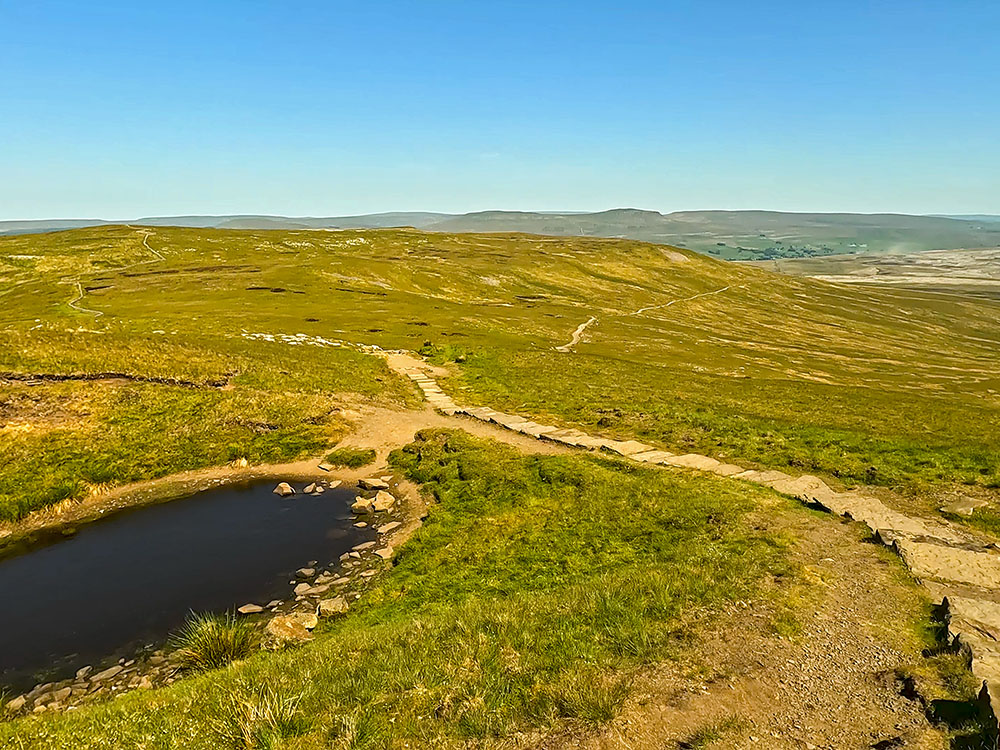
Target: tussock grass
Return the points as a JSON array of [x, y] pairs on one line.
[[258, 717], [209, 641], [352, 458]]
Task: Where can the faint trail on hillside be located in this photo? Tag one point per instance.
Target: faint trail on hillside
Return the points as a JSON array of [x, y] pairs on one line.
[[642, 310], [576, 336], [81, 293]]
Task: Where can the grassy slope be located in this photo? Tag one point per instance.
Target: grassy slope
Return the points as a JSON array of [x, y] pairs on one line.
[[533, 592], [877, 386]]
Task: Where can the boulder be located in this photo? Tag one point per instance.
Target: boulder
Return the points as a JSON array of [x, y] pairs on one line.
[[81, 674], [17, 704], [373, 483], [308, 620], [250, 609], [285, 630], [383, 501], [305, 572], [331, 607], [385, 553], [284, 489], [302, 589], [62, 694]]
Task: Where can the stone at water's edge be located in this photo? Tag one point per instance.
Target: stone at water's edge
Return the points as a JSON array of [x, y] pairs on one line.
[[284, 489], [310, 488], [383, 501], [285, 630], [373, 484], [330, 607], [362, 505], [17, 704], [250, 609]]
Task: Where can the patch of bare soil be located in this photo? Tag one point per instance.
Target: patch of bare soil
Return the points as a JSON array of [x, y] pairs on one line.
[[832, 685]]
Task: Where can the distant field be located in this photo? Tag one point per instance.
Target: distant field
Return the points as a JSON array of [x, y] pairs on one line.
[[870, 385]]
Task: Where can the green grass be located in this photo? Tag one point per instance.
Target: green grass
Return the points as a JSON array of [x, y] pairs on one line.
[[209, 641], [870, 385], [534, 592], [352, 458]]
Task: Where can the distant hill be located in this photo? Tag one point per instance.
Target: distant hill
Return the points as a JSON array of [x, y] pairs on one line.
[[731, 235]]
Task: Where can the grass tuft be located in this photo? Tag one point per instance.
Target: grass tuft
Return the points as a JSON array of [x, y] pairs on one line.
[[259, 717], [352, 458], [209, 641]]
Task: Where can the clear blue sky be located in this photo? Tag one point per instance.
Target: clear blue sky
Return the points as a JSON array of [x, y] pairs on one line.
[[124, 109]]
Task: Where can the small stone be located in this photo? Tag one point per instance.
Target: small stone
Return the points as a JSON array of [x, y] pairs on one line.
[[334, 484], [383, 501], [62, 694], [145, 683], [330, 607], [361, 505], [385, 553], [341, 581], [108, 673], [156, 660], [363, 546], [81, 674], [373, 484], [367, 573], [250, 609], [355, 555], [302, 589], [385, 529], [361, 525], [284, 489], [17, 704], [305, 572], [310, 488], [320, 489], [325, 466]]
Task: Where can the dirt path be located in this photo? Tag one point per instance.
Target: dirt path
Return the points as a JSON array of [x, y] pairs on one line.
[[955, 567], [642, 310], [576, 336], [81, 292]]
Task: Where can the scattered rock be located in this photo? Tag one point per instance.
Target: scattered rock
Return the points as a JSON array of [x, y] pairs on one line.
[[302, 589], [389, 527], [108, 673], [325, 466], [367, 573], [284, 489], [285, 630], [145, 683], [361, 505], [62, 694], [331, 607], [81, 674], [334, 484], [383, 501], [385, 553], [17, 704], [310, 488], [361, 525], [373, 484], [250, 609], [341, 581], [307, 619], [305, 572]]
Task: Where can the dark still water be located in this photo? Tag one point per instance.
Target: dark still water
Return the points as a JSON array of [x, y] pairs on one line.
[[132, 578]]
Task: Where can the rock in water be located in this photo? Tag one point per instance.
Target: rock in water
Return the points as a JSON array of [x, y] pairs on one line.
[[284, 489], [372, 484], [305, 572], [331, 607], [361, 505], [310, 488], [383, 501], [285, 630], [250, 609]]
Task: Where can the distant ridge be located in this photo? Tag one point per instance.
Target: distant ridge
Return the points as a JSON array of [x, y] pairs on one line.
[[733, 235]]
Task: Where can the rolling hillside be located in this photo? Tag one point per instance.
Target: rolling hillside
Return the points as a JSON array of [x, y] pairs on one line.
[[730, 235]]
